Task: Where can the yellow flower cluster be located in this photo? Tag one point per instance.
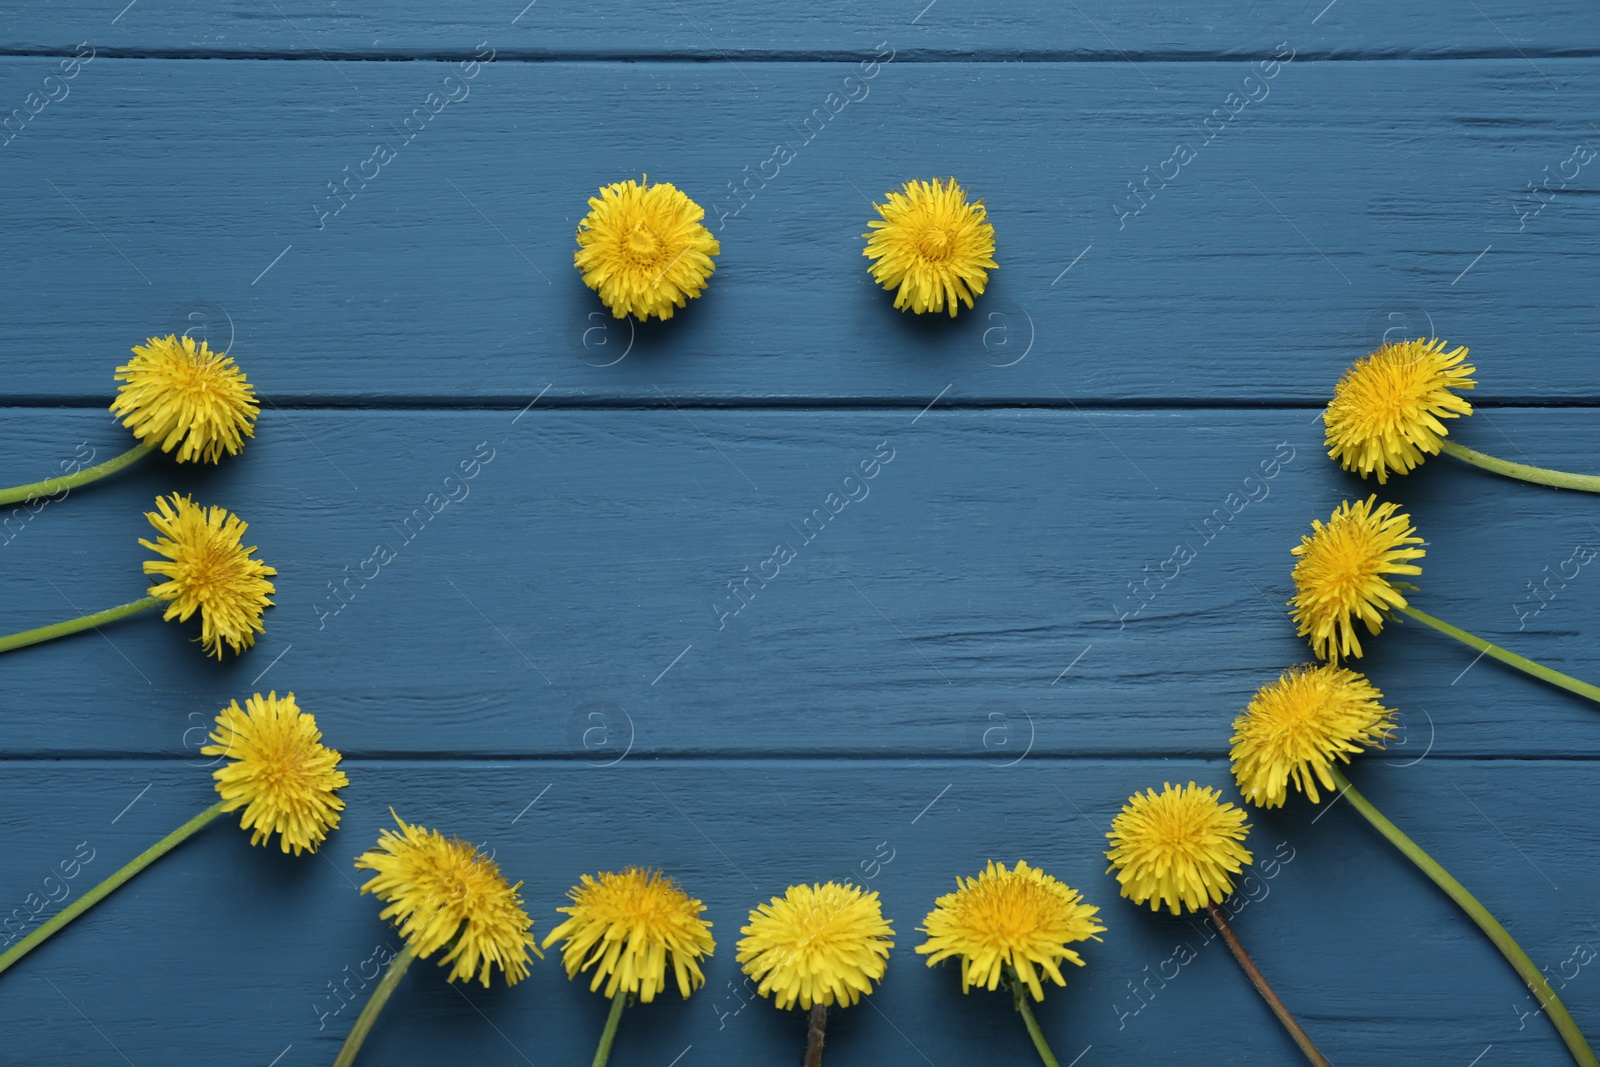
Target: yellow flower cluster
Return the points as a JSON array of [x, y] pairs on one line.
[[645, 251], [179, 396]]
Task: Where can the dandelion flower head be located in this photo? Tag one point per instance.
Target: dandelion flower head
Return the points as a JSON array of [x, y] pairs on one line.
[[931, 245], [644, 249], [208, 570], [278, 771], [630, 928], [816, 944], [1298, 725], [1386, 410], [440, 890], [179, 395], [1177, 847], [1020, 920], [1343, 573]]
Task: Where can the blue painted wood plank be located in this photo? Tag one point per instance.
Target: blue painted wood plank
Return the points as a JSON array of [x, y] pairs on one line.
[[224, 953], [718, 29], [952, 571], [1353, 201]]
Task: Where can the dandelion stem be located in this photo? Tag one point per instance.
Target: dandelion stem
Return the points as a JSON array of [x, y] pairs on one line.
[[1508, 946], [1019, 993], [99, 892], [1589, 483], [609, 1034], [18, 494], [816, 1033], [1259, 980], [374, 1004], [72, 626], [1522, 663]]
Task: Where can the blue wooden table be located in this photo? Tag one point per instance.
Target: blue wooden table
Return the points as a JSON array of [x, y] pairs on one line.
[[564, 662]]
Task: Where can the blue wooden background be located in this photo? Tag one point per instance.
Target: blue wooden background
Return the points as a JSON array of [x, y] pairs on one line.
[[954, 669]]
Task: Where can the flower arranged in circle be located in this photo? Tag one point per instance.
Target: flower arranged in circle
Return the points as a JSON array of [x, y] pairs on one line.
[[816, 944], [1342, 573], [1177, 847], [644, 249], [442, 890], [1020, 920], [931, 245], [1298, 725], [179, 395], [1385, 411], [630, 927], [208, 570], [279, 771]]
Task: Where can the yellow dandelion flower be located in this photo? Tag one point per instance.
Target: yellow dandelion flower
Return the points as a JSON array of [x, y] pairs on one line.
[[279, 771], [209, 571], [1385, 411], [931, 245], [443, 889], [1021, 919], [177, 394], [629, 927], [1179, 846], [816, 944], [1342, 574], [643, 249], [1297, 726]]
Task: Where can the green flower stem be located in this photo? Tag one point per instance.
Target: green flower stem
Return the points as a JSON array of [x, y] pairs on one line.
[[816, 1034], [50, 486], [1522, 663], [1019, 993], [609, 1034], [374, 1004], [99, 892], [72, 626], [1508, 947], [1259, 980], [1589, 483]]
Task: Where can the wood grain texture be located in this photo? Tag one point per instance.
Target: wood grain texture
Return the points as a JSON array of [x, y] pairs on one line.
[[720, 29], [1372, 957], [575, 598], [1353, 201], [950, 661]]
